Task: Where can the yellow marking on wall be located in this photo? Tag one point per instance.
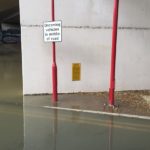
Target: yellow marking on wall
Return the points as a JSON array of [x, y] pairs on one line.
[[76, 72]]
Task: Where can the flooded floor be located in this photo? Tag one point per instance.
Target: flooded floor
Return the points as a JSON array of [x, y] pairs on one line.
[[53, 129], [11, 101], [30, 126], [10, 73]]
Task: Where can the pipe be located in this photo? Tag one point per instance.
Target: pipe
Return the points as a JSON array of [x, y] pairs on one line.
[[113, 53], [54, 66]]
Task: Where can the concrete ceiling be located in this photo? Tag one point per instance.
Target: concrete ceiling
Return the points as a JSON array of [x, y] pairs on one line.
[[7, 4], [9, 11]]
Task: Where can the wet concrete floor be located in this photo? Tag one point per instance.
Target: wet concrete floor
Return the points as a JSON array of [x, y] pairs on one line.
[[26, 125], [11, 101]]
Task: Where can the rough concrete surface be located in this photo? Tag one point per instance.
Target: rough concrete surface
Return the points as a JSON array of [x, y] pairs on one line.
[[127, 102]]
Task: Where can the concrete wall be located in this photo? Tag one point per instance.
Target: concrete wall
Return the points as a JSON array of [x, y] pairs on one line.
[[87, 40]]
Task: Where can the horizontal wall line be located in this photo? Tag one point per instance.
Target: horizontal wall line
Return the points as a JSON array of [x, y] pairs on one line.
[[107, 27], [93, 27]]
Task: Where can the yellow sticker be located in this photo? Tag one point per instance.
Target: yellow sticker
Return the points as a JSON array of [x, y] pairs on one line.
[[76, 72]]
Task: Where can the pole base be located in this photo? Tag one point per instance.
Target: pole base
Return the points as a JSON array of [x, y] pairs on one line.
[[110, 108], [54, 83], [111, 96]]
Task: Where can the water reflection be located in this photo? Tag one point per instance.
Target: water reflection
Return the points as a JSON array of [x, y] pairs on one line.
[[11, 101], [110, 126], [55, 126], [11, 127], [75, 115], [60, 130]]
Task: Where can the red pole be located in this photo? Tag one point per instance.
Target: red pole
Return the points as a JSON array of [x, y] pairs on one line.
[[113, 53], [54, 66]]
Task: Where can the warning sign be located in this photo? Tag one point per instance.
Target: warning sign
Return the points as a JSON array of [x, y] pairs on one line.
[[52, 31]]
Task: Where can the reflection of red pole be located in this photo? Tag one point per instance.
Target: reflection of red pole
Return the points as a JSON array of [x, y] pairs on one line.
[[110, 133], [55, 126], [54, 66], [113, 53]]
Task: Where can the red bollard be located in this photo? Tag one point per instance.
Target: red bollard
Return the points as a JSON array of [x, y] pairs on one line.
[[54, 82], [54, 66], [113, 53]]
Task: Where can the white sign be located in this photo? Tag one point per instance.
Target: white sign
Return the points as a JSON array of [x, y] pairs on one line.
[[52, 31]]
